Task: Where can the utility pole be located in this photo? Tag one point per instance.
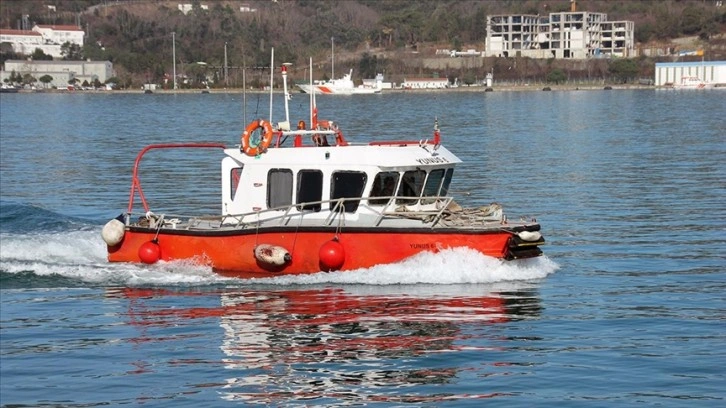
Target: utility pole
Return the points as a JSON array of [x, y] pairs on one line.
[[173, 53], [332, 58], [226, 81]]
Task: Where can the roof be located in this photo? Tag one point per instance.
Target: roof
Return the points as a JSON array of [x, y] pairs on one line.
[[353, 157], [55, 62], [60, 27], [8, 31], [426, 80], [689, 64]]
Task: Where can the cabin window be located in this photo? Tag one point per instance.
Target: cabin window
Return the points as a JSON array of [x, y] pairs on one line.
[[234, 176], [384, 185], [279, 188], [447, 182], [347, 184], [433, 185], [309, 189], [411, 186]]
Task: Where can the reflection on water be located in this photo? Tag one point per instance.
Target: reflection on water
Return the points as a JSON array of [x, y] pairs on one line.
[[358, 344]]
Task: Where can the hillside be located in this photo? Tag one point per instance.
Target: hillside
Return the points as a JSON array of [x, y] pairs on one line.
[[371, 36]]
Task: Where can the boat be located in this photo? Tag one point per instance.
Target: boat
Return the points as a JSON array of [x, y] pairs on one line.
[[342, 86], [692, 82], [4, 88], [306, 199]]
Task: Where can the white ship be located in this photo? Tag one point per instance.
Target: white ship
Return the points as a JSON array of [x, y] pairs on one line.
[[343, 86]]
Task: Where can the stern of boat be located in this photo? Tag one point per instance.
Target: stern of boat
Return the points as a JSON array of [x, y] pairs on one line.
[[524, 243]]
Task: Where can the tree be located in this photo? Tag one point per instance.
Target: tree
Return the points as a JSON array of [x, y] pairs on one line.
[[623, 69], [39, 55], [644, 32], [15, 78], [557, 76], [46, 79], [71, 51], [368, 65], [29, 79], [469, 78], [692, 20]]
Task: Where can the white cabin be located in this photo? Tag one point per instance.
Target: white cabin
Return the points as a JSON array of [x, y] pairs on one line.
[[282, 177]]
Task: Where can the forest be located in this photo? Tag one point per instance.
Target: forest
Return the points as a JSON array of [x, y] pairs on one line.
[[369, 35]]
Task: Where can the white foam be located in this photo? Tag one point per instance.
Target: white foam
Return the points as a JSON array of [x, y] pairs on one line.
[[82, 255], [451, 266]]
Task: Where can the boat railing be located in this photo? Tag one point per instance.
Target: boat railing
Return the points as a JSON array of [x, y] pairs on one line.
[[392, 208], [136, 182], [288, 214]]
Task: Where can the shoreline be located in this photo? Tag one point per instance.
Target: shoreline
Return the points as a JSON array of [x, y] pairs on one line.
[[505, 88]]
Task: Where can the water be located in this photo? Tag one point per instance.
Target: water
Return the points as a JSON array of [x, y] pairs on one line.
[[627, 307]]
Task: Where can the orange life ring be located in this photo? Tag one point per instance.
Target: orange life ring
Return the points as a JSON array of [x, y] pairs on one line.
[[264, 142]]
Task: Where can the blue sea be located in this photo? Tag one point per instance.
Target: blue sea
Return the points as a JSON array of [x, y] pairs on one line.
[[626, 308]]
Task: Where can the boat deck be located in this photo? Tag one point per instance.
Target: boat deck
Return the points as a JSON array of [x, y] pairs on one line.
[[450, 216]]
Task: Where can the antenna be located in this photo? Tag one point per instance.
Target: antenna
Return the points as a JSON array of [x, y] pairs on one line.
[[287, 96]]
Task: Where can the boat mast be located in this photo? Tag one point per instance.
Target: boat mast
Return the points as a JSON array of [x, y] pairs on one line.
[[312, 94], [173, 56], [332, 58], [272, 72], [287, 96], [226, 77]]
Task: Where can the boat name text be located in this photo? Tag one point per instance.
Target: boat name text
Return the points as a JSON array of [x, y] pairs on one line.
[[423, 246], [432, 160]]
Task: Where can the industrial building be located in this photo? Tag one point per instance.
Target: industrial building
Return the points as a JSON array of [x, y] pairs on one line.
[[671, 73], [61, 71]]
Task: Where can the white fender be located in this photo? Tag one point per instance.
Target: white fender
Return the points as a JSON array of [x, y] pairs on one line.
[[530, 236], [113, 232], [272, 254]]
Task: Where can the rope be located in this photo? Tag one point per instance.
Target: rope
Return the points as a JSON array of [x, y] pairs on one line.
[[160, 223], [294, 240], [341, 218], [257, 230]]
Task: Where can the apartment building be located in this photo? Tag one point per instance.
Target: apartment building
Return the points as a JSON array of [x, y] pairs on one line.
[[574, 34]]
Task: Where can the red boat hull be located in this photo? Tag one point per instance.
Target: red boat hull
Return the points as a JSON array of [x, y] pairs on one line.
[[232, 253]]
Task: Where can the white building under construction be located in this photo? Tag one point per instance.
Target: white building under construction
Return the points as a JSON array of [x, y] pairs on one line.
[[573, 34]]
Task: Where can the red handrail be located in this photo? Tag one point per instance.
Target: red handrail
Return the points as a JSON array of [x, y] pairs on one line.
[[136, 184]]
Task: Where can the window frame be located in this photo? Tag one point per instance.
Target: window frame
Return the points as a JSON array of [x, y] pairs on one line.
[[286, 196], [303, 189], [350, 206]]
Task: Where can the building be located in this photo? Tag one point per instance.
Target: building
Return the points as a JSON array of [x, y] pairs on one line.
[[61, 71], [573, 34], [187, 7], [425, 83], [669, 73], [61, 34], [48, 38], [22, 41]]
